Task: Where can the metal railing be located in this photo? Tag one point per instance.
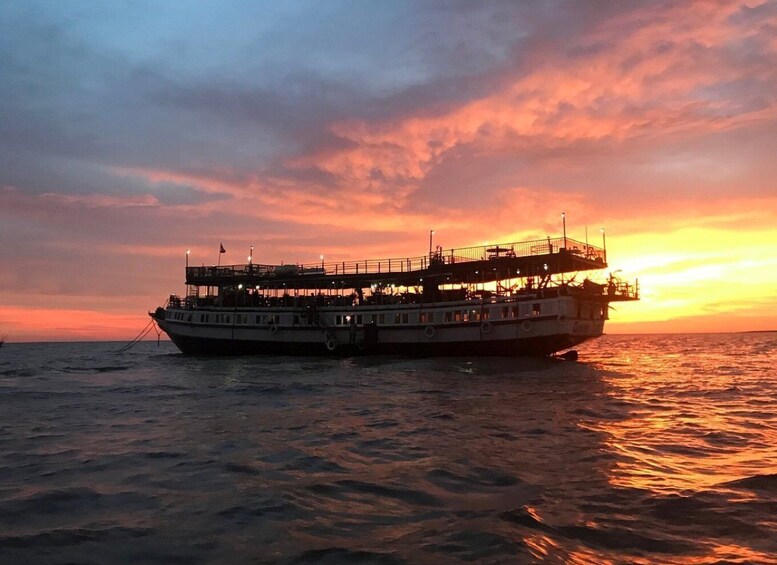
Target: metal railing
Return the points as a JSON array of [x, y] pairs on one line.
[[407, 264]]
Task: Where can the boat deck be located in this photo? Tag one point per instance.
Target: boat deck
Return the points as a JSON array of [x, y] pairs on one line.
[[485, 263]]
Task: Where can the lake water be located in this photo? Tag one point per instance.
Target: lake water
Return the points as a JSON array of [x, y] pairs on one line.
[[650, 449]]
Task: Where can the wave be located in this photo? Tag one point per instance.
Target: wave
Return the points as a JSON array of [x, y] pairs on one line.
[[766, 482], [342, 556], [601, 537]]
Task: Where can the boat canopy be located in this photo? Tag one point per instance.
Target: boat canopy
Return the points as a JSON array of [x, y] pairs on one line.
[[485, 263]]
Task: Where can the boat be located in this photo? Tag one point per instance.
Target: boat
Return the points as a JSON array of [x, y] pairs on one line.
[[509, 299]]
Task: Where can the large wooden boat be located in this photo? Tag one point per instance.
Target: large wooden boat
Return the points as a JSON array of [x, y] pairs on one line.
[[511, 299]]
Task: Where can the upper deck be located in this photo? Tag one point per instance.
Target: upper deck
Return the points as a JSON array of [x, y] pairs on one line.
[[485, 263]]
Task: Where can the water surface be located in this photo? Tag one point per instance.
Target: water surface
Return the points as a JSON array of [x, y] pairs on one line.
[[651, 449]]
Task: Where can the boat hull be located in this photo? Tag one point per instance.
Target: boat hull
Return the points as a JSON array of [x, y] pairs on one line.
[[539, 346], [539, 336]]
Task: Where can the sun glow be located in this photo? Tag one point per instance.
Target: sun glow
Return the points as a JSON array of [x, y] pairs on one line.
[[699, 279]]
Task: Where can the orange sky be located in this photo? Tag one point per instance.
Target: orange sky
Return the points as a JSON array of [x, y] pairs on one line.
[[482, 122]]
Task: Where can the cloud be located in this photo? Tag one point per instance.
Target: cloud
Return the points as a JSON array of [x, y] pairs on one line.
[[130, 132]]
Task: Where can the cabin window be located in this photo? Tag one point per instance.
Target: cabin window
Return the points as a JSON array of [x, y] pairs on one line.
[[382, 319], [457, 317], [405, 318], [423, 317], [397, 318], [258, 319], [338, 320], [535, 309], [359, 320], [448, 316], [296, 320], [474, 316], [505, 312]]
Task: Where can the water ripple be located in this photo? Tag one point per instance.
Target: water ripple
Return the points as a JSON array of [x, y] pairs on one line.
[[650, 449]]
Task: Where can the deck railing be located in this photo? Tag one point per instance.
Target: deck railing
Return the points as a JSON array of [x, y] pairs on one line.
[[406, 264]]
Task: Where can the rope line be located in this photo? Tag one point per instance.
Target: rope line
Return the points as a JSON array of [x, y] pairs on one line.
[[151, 325]]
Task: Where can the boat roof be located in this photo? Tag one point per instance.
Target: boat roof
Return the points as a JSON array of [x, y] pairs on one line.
[[485, 263]]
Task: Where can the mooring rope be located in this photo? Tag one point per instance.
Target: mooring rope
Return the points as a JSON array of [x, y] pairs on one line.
[[150, 326]]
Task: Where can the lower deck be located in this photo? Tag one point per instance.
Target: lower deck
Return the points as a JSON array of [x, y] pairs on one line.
[[531, 326]]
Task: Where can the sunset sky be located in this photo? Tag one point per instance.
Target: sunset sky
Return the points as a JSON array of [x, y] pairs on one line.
[[132, 131]]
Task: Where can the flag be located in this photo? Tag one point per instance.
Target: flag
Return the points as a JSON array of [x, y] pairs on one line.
[[221, 249]]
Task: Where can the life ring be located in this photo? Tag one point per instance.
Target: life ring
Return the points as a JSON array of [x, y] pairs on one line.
[[562, 319], [273, 329], [429, 331], [526, 326], [486, 327], [331, 344]]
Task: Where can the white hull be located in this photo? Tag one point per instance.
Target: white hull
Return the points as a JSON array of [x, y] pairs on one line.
[[530, 326]]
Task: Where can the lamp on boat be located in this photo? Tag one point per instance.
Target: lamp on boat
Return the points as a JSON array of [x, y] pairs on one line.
[[322, 263], [564, 227], [251, 255], [431, 233], [604, 245]]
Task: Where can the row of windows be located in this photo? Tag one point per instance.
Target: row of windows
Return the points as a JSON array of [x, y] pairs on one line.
[[448, 316], [224, 318]]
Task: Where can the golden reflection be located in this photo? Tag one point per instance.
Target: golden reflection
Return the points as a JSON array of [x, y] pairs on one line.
[[545, 549], [541, 546], [670, 447]]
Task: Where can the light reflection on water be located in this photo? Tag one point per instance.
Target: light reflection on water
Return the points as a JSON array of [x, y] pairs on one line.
[[701, 418], [651, 449]]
